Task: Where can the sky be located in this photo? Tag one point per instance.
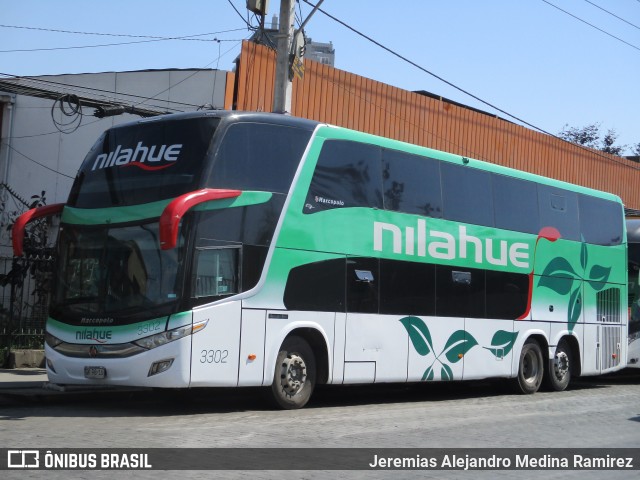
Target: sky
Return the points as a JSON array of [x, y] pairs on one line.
[[548, 67]]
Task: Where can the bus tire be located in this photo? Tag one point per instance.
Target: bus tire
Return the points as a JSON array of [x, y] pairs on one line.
[[530, 368], [559, 368], [295, 374]]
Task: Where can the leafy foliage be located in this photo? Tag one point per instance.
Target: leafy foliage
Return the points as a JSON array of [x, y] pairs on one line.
[[590, 136]]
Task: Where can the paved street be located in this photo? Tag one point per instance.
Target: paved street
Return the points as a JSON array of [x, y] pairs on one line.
[[603, 412]]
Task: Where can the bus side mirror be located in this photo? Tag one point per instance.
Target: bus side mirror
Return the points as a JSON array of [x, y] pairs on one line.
[[17, 232], [173, 213]]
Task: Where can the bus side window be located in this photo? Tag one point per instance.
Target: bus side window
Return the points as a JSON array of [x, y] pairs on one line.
[[600, 221], [460, 292], [411, 183], [407, 288], [362, 285], [216, 272], [466, 195], [316, 286], [256, 156], [516, 204], [559, 209], [348, 174]]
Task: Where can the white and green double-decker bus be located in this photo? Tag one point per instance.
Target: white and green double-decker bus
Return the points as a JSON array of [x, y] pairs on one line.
[[244, 249]]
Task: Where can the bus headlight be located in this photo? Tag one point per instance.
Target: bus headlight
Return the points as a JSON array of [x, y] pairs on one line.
[[163, 338], [52, 341]]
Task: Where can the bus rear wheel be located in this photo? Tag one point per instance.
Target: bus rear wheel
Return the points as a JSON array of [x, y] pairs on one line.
[[559, 369], [530, 368], [295, 374]]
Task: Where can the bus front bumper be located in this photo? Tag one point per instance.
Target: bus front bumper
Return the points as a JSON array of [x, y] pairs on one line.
[[167, 366]]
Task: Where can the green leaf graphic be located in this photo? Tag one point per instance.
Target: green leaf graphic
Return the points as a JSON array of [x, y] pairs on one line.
[[559, 267], [502, 343], [584, 255], [559, 284], [419, 335], [575, 307], [428, 374], [459, 343], [599, 274], [446, 373]]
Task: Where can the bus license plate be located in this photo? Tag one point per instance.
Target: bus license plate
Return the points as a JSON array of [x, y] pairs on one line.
[[95, 372]]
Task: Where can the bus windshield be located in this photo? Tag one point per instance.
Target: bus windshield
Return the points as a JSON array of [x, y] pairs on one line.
[[115, 270], [143, 163]]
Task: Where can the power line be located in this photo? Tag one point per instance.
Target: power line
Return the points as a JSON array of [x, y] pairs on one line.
[[112, 93], [419, 67], [249, 26], [591, 25], [79, 47], [38, 163], [465, 91], [187, 78], [107, 94], [187, 38], [613, 14]]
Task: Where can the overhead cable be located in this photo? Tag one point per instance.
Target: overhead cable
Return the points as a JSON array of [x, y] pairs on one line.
[[419, 67]]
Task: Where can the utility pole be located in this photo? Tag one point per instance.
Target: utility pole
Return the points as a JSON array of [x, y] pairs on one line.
[[283, 86]]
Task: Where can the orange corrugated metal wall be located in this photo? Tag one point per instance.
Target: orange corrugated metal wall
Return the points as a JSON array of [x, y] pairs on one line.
[[341, 98]]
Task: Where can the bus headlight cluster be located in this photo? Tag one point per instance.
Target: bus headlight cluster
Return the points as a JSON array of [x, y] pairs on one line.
[[52, 341], [163, 338], [170, 336]]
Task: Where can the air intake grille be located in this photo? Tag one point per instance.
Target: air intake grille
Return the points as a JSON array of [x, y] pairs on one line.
[[610, 347], [608, 305]]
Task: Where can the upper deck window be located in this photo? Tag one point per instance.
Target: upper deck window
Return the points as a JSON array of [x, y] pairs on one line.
[[258, 156], [348, 174], [411, 183], [600, 221]]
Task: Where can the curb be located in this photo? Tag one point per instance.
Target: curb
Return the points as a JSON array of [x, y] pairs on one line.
[[20, 395]]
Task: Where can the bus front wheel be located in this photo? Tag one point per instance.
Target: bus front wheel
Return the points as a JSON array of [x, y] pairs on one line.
[[295, 374], [530, 368]]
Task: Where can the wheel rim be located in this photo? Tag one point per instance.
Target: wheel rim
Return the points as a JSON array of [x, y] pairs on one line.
[[530, 367], [294, 374], [561, 365]]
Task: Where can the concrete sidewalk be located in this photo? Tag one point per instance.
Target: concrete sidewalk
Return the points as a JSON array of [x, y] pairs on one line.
[[18, 378], [20, 386]]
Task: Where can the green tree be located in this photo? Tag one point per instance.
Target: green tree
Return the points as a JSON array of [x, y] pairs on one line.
[[591, 136]]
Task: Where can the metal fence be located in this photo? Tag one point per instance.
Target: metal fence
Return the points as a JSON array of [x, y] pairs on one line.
[[25, 286]]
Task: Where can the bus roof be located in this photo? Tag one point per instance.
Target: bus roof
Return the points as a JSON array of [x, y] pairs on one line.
[[231, 116], [287, 120]]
